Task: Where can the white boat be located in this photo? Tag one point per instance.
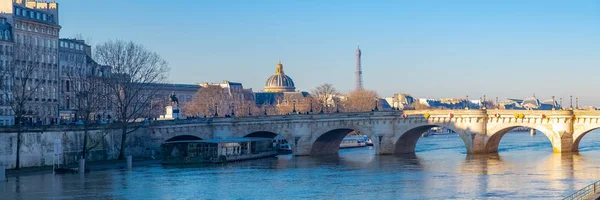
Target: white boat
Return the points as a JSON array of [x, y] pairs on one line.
[[354, 141], [281, 145]]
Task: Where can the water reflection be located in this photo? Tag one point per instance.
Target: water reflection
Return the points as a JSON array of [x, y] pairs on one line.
[[439, 170]]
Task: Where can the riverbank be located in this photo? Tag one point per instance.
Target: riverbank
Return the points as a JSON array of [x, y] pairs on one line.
[[92, 166]]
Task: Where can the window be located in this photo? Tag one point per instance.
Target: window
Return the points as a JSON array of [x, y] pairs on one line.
[[36, 29], [44, 17], [29, 28]]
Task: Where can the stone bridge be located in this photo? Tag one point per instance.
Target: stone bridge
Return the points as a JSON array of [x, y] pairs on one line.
[[392, 132]]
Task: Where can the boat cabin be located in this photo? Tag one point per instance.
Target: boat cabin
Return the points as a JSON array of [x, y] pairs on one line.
[[216, 150]]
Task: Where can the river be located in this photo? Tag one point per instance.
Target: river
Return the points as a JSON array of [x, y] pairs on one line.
[[524, 168]]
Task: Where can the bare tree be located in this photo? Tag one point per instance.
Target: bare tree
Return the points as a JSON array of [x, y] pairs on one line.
[[22, 82], [325, 95], [213, 99], [134, 70], [87, 90], [361, 100]]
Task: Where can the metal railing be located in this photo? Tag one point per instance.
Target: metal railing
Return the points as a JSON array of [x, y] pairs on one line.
[[585, 192]]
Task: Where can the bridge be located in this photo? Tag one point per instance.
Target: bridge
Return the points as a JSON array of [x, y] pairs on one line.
[[392, 132]]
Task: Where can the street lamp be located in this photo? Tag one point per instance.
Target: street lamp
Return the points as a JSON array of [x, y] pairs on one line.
[[376, 107], [265, 107], [571, 106], [216, 110], [560, 103], [577, 103], [553, 103], [249, 113], [497, 103], [294, 110], [232, 110], [311, 106], [467, 103]]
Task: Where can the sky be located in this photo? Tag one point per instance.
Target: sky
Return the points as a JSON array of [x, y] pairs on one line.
[[430, 49]]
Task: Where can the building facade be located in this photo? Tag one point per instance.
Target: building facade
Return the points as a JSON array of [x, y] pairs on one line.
[[234, 89], [7, 117], [73, 64], [35, 30]]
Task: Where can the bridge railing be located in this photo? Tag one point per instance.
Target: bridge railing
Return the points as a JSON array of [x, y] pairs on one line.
[[585, 192]]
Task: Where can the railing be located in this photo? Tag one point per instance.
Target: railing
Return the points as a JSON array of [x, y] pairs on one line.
[[585, 192]]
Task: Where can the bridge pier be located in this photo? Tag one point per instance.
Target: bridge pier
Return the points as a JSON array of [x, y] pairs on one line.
[[383, 144], [561, 144]]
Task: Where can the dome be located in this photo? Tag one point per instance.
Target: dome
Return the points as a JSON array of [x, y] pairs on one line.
[[279, 82]]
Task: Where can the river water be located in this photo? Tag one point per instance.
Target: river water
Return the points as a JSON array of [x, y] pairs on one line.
[[525, 167]]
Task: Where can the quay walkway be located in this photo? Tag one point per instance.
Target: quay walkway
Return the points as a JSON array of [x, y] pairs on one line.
[[590, 192]]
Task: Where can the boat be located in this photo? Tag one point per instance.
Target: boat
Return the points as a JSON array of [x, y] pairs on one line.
[[369, 141], [217, 150], [354, 141], [281, 145]]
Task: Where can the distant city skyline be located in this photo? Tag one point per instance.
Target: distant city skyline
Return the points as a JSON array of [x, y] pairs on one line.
[[429, 49]]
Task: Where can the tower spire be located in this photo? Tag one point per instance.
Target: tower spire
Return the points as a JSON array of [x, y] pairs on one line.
[[359, 82]]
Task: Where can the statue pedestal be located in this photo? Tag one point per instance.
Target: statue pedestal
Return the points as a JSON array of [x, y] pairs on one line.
[[173, 112]]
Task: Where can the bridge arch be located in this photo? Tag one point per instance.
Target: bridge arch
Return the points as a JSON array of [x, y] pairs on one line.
[[328, 140], [183, 137], [263, 134], [495, 135], [579, 134], [406, 142]]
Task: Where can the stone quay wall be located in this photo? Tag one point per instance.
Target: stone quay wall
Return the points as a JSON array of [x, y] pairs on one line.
[[44, 147]]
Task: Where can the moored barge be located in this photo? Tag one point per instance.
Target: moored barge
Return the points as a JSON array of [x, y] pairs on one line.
[[217, 150]]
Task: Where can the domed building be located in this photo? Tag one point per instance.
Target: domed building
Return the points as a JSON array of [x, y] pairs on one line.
[[279, 89], [279, 82]]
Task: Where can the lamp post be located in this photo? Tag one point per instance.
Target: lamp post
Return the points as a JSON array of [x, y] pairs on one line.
[[232, 110], [483, 103], [265, 108], [571, 99], [497, 103], [249, 112], [560, 103], [553, 103], [216, 110], [376, 107], [577, 103], [294, 110], [311, 106], [467, 103]]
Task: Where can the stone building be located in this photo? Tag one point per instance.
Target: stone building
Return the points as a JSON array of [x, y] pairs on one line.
[[35, 29], [280, 91], [234, 89], [72, 65], [7, 117]]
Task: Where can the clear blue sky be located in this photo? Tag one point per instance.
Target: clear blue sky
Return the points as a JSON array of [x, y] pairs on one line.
[[427, 48]]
